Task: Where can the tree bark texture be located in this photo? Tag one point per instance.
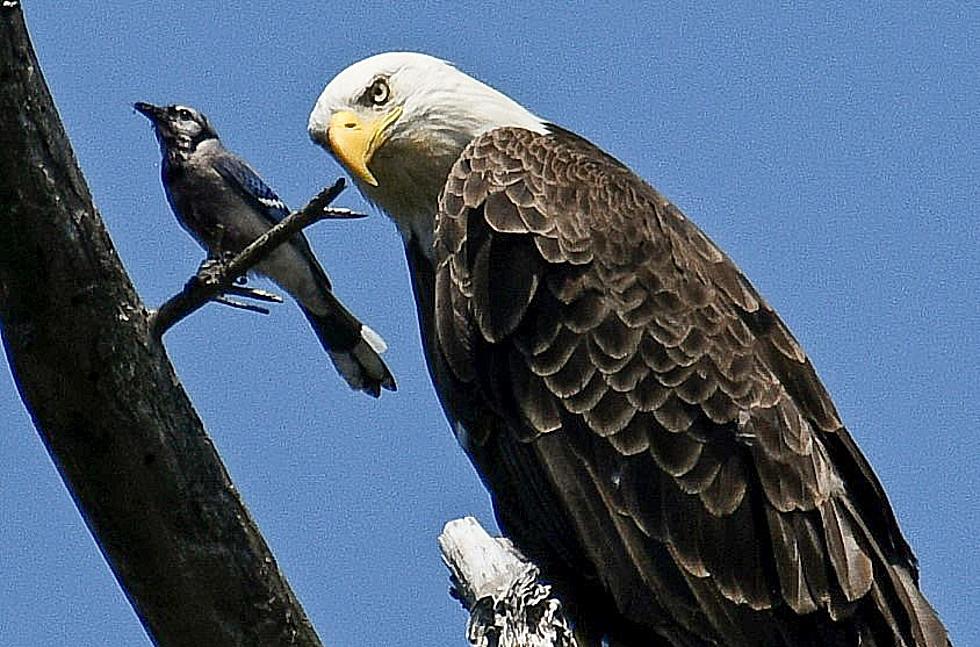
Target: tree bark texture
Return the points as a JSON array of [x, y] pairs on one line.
[[106, 402]]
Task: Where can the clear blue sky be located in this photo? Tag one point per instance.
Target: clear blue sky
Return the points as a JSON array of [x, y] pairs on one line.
[[832, 151]]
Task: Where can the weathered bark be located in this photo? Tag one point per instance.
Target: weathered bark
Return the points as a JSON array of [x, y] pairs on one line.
[[105, 399], [499, 587]]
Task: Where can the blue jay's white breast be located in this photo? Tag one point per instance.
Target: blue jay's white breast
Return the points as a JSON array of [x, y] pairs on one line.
[[214, 212]]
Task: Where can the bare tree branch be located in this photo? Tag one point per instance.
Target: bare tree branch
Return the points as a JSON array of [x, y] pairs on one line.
[[253, 293], [240, 305], [214, 279], [106, 402]]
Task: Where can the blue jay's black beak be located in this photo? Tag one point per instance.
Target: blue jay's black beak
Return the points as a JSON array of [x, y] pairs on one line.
[[152, 112]]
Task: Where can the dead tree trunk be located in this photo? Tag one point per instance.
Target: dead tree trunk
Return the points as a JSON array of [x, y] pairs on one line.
[[499, 587], [106, 402]]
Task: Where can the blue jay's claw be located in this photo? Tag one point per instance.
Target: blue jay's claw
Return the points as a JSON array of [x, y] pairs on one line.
[[210, 271], [221, 263]]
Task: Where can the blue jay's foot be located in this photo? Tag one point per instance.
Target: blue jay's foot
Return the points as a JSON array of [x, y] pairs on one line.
[[210, 271], [224, 259]]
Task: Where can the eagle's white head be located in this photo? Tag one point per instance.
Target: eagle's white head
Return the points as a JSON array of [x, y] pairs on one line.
[[398, 121]]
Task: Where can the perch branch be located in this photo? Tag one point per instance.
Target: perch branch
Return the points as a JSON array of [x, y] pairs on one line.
[[213, 280]]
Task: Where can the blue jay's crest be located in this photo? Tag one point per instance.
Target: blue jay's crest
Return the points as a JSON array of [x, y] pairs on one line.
[[179, 129]]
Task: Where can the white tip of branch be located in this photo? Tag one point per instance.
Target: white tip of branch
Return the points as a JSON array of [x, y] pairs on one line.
[[480, 563], [508, 606]]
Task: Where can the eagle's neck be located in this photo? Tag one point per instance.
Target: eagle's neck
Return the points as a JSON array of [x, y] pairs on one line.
[[410, 177], [412, 167]]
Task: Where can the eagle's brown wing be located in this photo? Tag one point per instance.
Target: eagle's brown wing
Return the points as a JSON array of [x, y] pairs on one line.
[[647, 424]]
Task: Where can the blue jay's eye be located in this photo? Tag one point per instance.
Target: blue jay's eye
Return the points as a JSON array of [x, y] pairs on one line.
[[185, 114], [379, 92]]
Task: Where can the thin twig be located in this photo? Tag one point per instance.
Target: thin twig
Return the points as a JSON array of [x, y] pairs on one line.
[[240, 305], [210, 283], [253, 293]]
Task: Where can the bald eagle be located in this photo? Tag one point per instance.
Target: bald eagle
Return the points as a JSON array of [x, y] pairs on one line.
[[652, 434]]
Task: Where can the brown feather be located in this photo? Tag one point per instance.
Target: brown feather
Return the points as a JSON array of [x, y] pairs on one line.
[[652, 433]]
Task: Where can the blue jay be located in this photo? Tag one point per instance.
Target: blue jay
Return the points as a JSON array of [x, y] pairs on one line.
[[224, 204]]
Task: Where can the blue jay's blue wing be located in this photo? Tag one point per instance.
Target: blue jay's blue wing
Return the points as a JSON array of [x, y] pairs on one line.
[[240, 175], [265, 201]]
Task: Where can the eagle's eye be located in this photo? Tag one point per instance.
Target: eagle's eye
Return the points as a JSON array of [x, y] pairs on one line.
[[379, 92]]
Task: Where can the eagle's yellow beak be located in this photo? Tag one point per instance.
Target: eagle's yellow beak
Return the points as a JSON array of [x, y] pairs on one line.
[[354, 141]]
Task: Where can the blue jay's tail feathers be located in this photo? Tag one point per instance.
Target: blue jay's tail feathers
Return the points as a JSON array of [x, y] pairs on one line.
[[354, 349]]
